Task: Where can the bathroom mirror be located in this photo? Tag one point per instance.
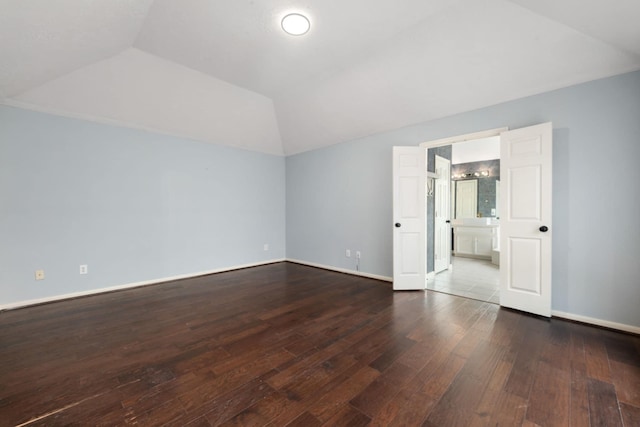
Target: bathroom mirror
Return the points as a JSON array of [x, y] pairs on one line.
[[476, 189]]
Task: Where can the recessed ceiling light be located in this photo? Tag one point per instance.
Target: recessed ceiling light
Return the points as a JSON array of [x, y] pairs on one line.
[[295, 24]]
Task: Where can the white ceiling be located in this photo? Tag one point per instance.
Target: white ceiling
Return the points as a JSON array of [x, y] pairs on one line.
[[223, 71]]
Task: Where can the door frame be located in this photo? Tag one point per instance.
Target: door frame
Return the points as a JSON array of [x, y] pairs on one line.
[[466, 137]]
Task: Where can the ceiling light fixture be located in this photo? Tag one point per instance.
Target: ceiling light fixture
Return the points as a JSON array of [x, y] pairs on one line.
[[295, 24]]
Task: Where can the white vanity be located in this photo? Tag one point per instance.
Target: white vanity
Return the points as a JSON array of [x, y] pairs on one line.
[[476, 237]]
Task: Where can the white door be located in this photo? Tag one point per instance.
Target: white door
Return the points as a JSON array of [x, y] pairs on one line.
[[442, 233], [409, 218], [467, 198], [525, 220]]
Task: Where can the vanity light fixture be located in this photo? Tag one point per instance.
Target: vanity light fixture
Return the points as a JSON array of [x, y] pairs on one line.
[[470, 175], [295, 24]]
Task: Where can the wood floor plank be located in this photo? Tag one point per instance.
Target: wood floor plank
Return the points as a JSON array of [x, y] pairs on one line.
[[550, 396], [441, 377], [285, 343], [329, 404], [308, 360], [398, 346], [603, 404], [621, 348], [407, 408], [625, 378], [524, 369], [230, 404], [348, 416], [458, 403], [275, 408], [630, 415], [499, 408], [305, 420], [308, 383], [383, 389], [596, 357], [579, 410]]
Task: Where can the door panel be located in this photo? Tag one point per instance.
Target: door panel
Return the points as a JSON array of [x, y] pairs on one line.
[[409, 218], [525, 256], [523, 267], [524, 205]]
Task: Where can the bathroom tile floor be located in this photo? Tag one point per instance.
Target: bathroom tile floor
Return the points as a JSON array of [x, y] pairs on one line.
[[471, 278]]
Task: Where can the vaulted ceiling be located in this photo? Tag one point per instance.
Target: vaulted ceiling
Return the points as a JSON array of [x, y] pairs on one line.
[[223, 71]]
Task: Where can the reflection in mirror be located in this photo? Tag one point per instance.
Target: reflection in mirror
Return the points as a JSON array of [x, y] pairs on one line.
[[466, 198], [486, 174]]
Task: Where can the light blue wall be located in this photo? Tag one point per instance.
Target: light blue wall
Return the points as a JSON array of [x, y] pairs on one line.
[[136, 206], [133, 205], [340, 197]]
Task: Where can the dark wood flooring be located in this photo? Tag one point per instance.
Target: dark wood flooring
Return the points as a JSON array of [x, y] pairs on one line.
[[286, 344]]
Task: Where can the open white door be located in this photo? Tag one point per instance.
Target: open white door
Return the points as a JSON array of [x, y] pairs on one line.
[[409, 218], [441, 229], [525, 222]]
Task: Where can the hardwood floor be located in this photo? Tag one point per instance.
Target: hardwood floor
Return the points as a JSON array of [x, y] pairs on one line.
[[286, 344]]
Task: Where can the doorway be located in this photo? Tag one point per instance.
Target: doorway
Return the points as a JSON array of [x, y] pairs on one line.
[[525, 251], [465, 216]]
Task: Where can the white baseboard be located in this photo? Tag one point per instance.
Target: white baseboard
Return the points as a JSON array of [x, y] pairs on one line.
[[431, 276], [554, 313], [341, 270], [597, 322], [20, 304]]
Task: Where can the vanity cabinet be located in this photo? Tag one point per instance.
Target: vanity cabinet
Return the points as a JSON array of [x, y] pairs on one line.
[[476, 241]]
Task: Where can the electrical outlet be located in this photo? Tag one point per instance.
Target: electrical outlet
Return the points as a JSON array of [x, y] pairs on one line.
[[266, 247], [347, 253], [39, 274], [358, 254], [84, 269]]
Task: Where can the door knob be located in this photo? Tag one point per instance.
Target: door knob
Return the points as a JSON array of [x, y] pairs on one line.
[[544, 228], [398, 224], [448, 222]]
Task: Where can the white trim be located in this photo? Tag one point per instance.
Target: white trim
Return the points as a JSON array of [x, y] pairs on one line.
[[466, 137], [597, 322], [26, 303], [431, 276], [341, 270], [119, 123]]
